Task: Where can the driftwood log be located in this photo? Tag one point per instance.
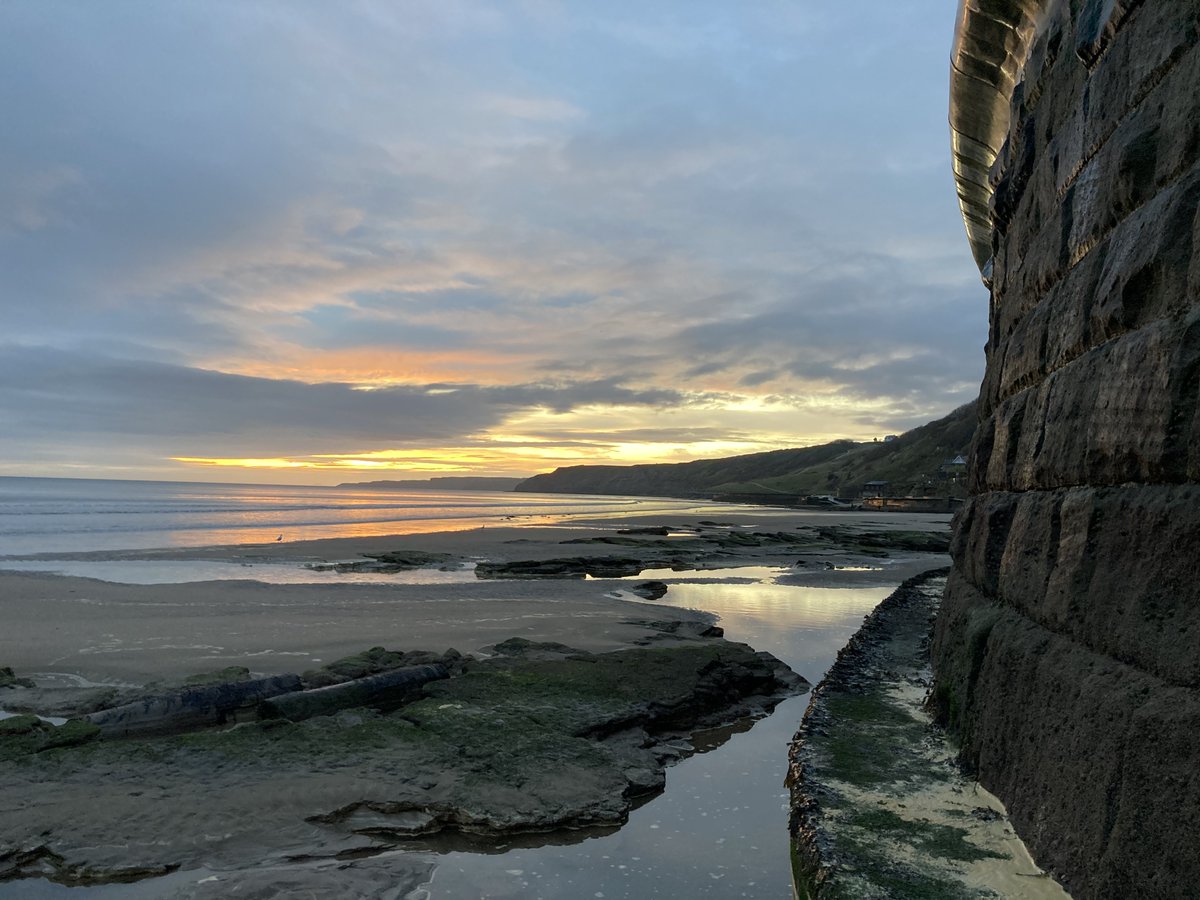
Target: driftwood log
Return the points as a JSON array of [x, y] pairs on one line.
[[386, 690], [190, 708]]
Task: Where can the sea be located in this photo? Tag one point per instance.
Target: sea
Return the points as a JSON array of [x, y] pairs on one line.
[[76, 515]]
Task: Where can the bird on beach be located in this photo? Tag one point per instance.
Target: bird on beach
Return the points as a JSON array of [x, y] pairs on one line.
[[280, 538]]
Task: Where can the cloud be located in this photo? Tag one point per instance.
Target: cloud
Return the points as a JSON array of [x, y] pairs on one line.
[[49, 395], [219, 222]]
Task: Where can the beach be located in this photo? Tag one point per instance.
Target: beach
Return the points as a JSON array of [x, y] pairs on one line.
[[133, 632], [348, 785]]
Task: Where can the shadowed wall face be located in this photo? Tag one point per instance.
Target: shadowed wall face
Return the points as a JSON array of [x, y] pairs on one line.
[[1068, 648]]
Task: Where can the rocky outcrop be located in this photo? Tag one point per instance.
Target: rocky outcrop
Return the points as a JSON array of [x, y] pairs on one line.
[[537, 737], [1068, 647], [879, 809], [566, 567]]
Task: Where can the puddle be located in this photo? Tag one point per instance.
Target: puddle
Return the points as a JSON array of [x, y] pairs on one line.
[[140, 571]]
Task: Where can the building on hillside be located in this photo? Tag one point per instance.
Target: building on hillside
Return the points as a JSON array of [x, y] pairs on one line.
[[953, 468], [875, 488]]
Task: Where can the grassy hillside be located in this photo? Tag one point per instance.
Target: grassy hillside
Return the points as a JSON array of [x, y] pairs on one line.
[[910, 463]]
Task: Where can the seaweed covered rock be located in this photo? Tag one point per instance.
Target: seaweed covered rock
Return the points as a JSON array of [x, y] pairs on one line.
[[879, 809], [650, 590], [569, 567], [8, 678], [392, 561], [375, 661], [219, 676], [21, 735], [516, 743]]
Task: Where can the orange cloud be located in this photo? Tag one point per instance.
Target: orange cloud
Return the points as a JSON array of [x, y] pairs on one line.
[[381, 366]]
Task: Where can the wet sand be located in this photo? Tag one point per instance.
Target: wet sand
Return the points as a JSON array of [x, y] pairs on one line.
[[102, 631]]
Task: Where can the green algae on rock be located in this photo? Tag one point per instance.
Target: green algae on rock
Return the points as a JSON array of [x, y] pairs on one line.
[[219, 676], [539, 737], [879, 807], [25, 734], [8, 678]]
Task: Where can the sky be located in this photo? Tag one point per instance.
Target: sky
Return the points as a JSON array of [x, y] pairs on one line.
[[312, 242]]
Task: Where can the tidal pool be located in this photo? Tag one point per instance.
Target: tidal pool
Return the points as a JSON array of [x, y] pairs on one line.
[[180, 571], [720, 828]]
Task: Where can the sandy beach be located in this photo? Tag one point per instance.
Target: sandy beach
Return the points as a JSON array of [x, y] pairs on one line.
[[566, 739], [129, 632]]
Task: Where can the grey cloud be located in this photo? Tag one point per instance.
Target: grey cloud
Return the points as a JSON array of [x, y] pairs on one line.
[[705, 368], [754, 379], [727, 197], [657, 435], [46, 393]]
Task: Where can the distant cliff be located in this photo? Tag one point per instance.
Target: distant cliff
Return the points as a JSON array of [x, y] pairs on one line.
[[444, 483], [1067, 650], [912, 461]]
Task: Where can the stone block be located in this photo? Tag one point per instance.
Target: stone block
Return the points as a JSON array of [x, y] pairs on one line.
[[1094, 759], [1090, 564]]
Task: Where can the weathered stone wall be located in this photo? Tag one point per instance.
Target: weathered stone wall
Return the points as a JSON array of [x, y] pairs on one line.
[[1068, 647]]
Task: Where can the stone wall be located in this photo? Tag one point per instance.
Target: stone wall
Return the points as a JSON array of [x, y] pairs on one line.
[[1068, 647]]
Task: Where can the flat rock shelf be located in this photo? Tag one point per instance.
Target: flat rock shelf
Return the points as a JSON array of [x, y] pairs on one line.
[[880, 808]]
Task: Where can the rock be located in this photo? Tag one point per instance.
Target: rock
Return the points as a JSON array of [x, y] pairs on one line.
[[21, 735], [651, 590], [912, 541], [660, 530], [393, 561], [521, 648], [375, 660], [570, 567], [876, 810], [618, 541], [68, 702], [9, 679], [220, 676], [543, 739], [24, 724], [369, 662], [71, 733], [675, 629], [39, 861]]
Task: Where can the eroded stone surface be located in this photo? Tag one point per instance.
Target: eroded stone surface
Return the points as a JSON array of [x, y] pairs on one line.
[[880, 809], [538, 737], [1067, 651]]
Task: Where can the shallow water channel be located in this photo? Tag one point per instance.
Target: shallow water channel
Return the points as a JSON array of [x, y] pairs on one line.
[[720, 828]]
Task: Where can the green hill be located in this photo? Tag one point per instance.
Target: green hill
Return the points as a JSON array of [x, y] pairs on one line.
[[912, 464]]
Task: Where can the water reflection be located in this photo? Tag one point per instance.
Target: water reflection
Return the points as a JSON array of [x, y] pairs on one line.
[[142, 571], [720, 829], [68, 515]]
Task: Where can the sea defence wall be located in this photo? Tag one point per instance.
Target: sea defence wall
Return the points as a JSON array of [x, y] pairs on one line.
[[1067, 650]]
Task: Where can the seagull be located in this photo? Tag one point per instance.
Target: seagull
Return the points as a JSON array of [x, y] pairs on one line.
[[280, 538]]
